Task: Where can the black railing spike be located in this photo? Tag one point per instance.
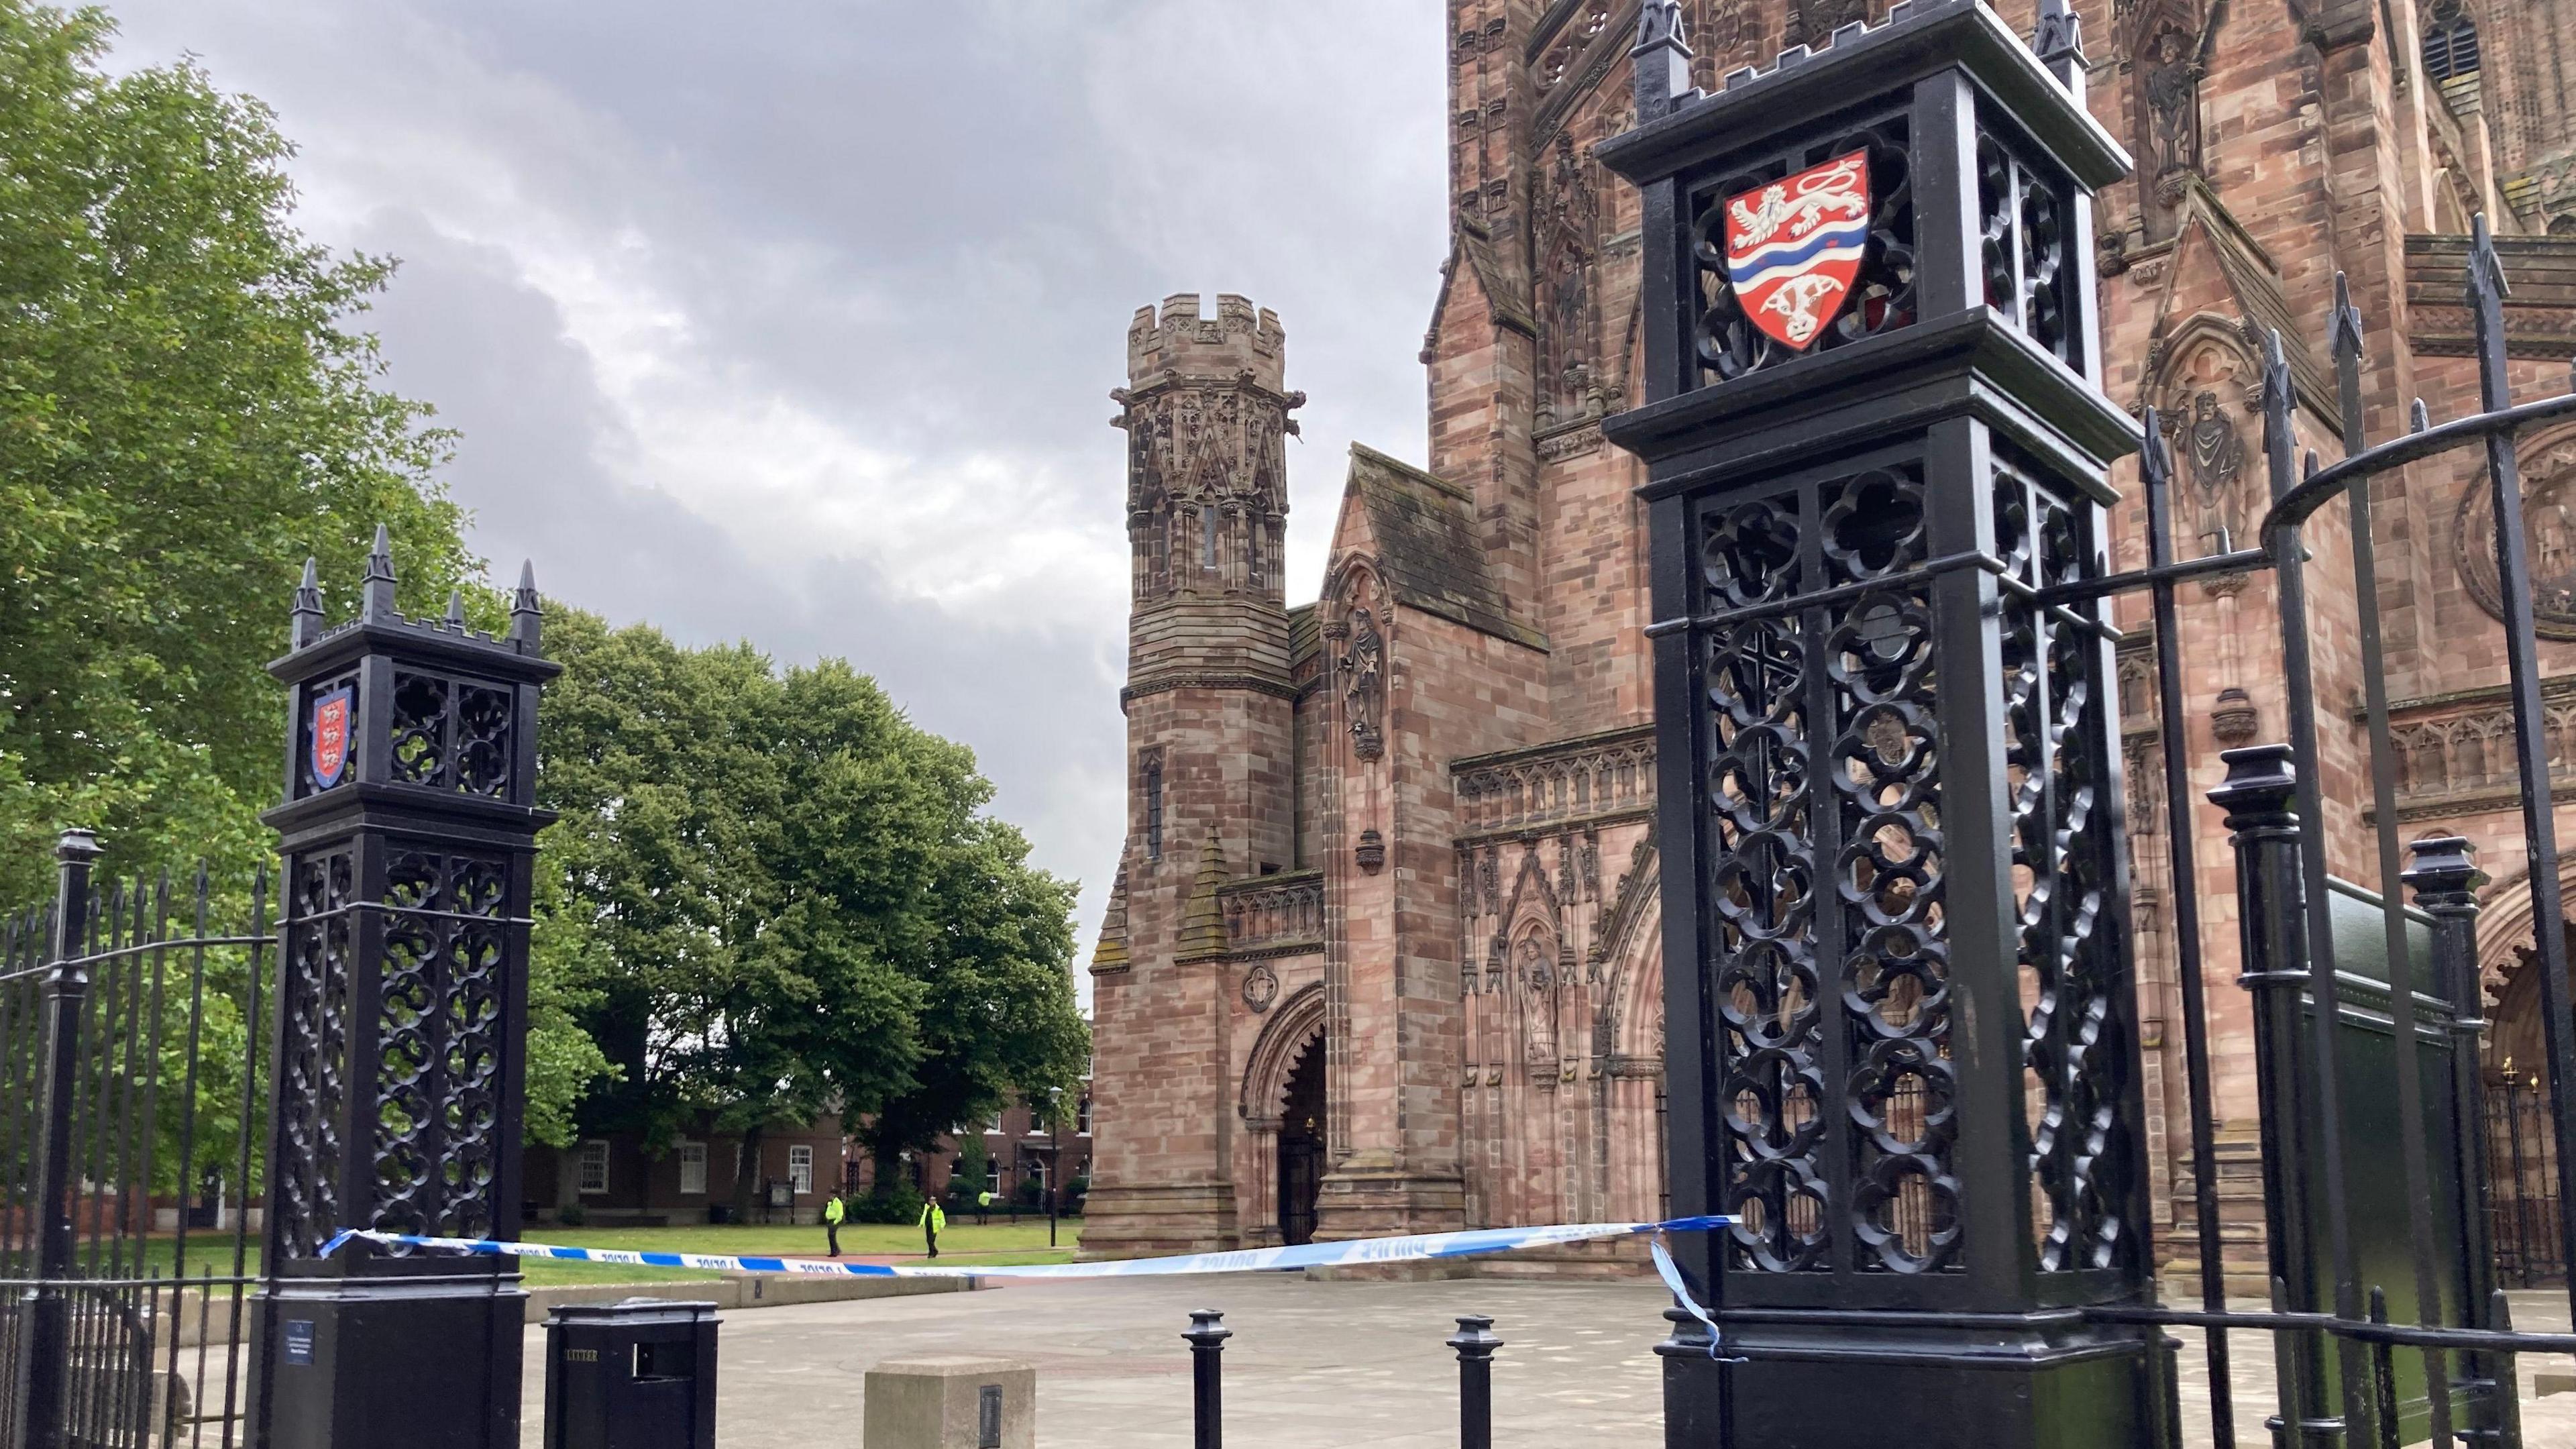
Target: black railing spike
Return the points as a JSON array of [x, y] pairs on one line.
[[2308, 465], [378, 601], [456, 609], [2276, 389], [2059, 43], [305, 615], [527, 611], [2151, 456], [1659, 63], [2486, 269], [2418, 417], [2347, 320]]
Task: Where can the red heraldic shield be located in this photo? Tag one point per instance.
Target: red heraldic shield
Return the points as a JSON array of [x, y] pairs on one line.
[[330, 735], [1794, 246]]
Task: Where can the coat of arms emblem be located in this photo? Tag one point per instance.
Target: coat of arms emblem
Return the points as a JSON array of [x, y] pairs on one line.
[[330, 735], [1793, 246]]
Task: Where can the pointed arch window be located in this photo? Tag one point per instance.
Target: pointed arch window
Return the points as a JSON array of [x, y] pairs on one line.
[[1207, 536], [1150, 775], [2450, 43]]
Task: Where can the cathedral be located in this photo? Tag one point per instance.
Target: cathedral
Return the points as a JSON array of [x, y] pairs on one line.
[[1383, 952]]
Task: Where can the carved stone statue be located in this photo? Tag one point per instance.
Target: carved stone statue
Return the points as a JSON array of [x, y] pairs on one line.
[[2173, 100], [2215, 458], [1363, 671]]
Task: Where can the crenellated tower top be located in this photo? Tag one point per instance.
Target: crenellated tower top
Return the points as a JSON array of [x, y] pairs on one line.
[[1185, 344], [1206, 416]]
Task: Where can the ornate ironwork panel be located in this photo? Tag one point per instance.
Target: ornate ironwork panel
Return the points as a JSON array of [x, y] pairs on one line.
[[312, 1070], [1766, 981], [452, 732], [2025, 246], [1883, 291], [1895, 970], [2073, 966], [440, 1042]]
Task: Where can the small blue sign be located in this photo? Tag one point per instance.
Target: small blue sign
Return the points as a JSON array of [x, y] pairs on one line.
[[299, 1340]]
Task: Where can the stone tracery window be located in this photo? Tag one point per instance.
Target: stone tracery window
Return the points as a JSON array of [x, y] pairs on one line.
[[2450, 42]]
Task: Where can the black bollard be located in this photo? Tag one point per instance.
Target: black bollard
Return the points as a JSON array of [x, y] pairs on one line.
[[1475, 1341], [1207, 1337]]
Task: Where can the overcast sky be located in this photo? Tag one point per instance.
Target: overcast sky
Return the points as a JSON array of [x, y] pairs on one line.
[[795, 322]]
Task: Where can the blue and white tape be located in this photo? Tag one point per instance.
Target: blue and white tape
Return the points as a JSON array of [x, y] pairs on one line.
[[1415, 1247]]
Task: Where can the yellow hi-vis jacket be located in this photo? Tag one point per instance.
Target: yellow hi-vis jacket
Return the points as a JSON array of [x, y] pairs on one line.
[[932, 1218]]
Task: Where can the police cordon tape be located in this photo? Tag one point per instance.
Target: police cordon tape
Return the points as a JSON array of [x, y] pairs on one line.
[[1415, 1247]]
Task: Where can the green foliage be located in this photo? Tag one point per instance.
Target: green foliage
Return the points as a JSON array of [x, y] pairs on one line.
[[891, 1202], [786, 900], [969, 1174], [186, 412]]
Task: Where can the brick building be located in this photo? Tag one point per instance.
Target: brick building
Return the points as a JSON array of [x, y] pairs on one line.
[[1384, 948]]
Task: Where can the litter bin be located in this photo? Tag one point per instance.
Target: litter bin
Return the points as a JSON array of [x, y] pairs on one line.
[[640, 1374]]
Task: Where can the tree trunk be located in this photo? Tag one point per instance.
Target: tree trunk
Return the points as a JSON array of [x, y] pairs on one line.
[[746, 1178]]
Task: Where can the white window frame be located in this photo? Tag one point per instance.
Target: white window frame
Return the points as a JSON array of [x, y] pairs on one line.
[[800, 1167], [693, 1169], [594, 1168]]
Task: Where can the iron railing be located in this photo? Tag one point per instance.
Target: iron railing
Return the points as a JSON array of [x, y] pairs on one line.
[[130, 1077], [2441, 1367]]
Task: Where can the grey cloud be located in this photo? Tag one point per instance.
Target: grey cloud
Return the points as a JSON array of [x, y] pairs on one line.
[[925, 225]]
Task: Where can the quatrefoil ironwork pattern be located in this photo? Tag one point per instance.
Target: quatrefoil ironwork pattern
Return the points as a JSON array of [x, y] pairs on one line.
[[452, 733], [2072, 964], [2026, 247], [312, 1075], [439, 1028], [1899, 1088]]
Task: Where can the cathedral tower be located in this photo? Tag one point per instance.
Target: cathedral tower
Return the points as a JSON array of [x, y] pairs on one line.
[[1210, 768]]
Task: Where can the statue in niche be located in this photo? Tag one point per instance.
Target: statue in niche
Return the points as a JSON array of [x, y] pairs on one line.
[[2549, 541], [1537, 971], [1363, 670], [2214, 454], [2173, 101]]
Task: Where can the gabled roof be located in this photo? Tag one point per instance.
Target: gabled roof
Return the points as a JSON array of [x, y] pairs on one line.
[[1424, 530], [1472, 246]]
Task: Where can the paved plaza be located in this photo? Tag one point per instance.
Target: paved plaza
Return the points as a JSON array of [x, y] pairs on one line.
[[1313, 1365]]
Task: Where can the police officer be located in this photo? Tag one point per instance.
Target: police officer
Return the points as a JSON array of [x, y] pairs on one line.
[[984, 1207], [833, 1213], [932, 1220]]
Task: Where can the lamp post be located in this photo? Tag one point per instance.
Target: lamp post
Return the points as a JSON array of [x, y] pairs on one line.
[[1055, 1154]]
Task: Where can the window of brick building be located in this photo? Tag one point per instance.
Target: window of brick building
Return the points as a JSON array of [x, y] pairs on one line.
[[594, 1167], [2450, 42], [1152, 776], [800, 1167], [693, 1168]]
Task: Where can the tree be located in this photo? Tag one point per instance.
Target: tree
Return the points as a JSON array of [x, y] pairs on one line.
[[791, 900], [186, 413]]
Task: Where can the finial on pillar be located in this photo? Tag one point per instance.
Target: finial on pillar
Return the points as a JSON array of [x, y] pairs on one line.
[[1660, 60], [527, 613], [456, 610], [305, 619], [2059, 44], [378, 599]]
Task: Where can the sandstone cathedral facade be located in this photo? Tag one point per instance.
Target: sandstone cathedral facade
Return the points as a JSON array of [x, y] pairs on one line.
[[1384, 953]]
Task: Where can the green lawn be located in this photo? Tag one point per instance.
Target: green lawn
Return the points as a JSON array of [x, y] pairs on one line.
[[964, 1244]]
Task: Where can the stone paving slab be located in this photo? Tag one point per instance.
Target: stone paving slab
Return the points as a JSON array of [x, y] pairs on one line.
[[1313, 1365]]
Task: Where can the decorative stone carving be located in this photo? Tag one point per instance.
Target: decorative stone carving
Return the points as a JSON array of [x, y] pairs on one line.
[[1588, 778], [1260, 987], [1370, 852], [1569, 325], [2172, 64], [2549, 533], [1363, 675], [2233, 719], [2214, 459]]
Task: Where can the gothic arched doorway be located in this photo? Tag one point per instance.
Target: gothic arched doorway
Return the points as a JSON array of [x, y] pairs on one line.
[[2521, 1137], [1301, 1144]]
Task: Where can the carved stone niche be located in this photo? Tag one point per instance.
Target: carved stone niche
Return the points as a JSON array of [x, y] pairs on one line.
[[2549, 536], [2205, 393]]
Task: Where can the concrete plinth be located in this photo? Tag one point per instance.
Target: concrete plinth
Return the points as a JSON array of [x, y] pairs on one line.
[[951, 1402]]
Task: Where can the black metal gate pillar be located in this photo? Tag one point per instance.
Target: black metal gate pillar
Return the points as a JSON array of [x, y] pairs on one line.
[[410, 829], [1900, 1040]]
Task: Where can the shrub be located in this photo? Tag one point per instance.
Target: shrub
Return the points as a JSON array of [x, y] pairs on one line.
[[894, 1202], [572, 1215]]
